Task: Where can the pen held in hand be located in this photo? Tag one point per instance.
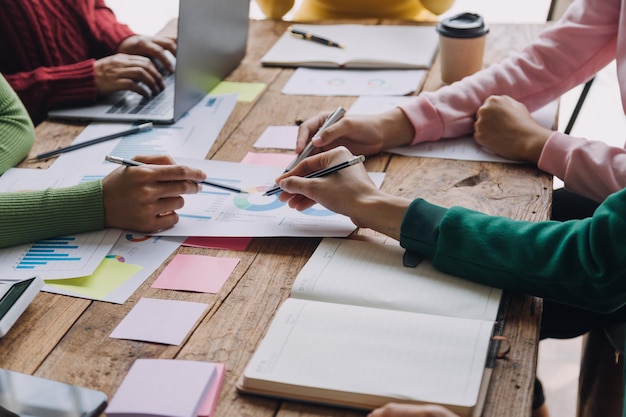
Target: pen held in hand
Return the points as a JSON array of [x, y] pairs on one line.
[[132, 163], [131, 131], [322, 172], [330, 120]]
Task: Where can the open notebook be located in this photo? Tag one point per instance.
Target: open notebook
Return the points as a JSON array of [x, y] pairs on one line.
[[360, 330], [364, 46]]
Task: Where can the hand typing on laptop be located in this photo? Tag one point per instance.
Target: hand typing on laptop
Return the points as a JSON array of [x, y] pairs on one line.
[[210, 42], [133, 67], [154, 47]]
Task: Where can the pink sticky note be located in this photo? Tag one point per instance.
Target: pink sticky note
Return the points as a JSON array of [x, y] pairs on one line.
[[210, 399], [196, 273], [159, 321], [163, 387], [232, 243], [268, 159], [279, 137]]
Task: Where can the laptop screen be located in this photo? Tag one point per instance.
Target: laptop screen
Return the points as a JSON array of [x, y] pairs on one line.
[[212, 36]]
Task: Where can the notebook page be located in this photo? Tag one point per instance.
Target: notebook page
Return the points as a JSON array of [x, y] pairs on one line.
[[371, 274], [369, 356], [365, 46]]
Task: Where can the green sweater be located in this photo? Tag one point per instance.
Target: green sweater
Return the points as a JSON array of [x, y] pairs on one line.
[[29, 216], [578, 262]]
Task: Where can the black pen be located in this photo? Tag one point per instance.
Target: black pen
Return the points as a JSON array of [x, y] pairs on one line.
[[132, 163], [133, 130], [308, 36], [323, 172]]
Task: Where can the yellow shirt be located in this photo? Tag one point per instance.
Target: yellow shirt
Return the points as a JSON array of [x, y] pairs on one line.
[[311, 10]]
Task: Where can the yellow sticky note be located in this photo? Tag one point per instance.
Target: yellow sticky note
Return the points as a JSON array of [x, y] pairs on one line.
[[110, 274], [247, 91]]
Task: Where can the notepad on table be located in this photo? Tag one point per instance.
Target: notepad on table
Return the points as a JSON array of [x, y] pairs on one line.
[[365, 46], [360, 330], [165, 388]]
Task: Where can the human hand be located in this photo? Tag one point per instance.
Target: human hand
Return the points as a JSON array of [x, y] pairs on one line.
[[366, 135], [350, 192], [145, 198], [124, 72], [337, 192], [411, 410], [506, 127], [154, 47]]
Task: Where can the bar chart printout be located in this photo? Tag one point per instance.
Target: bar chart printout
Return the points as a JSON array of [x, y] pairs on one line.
[[57, 258]]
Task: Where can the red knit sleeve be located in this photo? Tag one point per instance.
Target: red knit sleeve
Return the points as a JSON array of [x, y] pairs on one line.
[[51, 87], [107, 29]]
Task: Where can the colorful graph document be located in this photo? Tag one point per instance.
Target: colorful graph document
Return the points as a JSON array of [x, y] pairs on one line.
[[133, 258], [214, 212], [60, 257]]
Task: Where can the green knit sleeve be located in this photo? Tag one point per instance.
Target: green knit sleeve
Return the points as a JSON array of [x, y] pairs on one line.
[[578, 262], [17, 133], [30, 216]]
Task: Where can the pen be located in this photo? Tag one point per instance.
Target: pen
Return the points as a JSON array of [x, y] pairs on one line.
[[308, 36], [134, 129], [323, 172], [132, 163], [330, 120]]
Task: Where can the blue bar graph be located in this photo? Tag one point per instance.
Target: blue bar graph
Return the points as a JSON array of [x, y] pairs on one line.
[[43, 252]]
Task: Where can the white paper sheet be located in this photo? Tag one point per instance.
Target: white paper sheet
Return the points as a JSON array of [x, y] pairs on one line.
[[346, 82], [192, 136]]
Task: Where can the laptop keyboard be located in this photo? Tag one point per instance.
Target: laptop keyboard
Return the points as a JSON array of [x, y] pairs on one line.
[[159, 104]]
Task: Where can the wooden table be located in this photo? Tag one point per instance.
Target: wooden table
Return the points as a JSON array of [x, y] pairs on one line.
[[66, 339]]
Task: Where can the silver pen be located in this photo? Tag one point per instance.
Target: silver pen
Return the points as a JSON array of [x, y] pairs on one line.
[[330, 120], [133, 163]]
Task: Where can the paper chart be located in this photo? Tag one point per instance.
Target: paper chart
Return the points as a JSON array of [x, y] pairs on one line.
[[214, 212]]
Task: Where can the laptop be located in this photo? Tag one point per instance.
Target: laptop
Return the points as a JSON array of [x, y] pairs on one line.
[[212, 37]]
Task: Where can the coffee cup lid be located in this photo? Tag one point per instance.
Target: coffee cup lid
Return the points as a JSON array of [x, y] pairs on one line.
[[463, 25]]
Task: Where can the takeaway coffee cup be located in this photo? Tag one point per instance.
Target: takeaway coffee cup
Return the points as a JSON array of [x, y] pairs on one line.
[[461, 45]]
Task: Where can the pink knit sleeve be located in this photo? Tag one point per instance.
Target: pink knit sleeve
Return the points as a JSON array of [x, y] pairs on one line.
[[565, 55], [590, 168]]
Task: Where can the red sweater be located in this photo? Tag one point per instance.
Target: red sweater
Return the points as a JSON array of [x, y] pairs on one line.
[[48, 49]]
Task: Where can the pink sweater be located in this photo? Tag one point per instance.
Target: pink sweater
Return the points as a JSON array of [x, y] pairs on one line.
[[590, 35]]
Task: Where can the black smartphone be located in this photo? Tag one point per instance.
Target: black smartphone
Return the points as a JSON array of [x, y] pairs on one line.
[[23, 395]]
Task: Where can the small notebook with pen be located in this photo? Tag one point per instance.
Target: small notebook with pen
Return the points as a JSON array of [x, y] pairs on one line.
[[360, 46]]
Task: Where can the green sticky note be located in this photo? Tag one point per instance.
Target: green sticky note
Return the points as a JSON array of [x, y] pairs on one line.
[[247, 91], [110, 274]]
